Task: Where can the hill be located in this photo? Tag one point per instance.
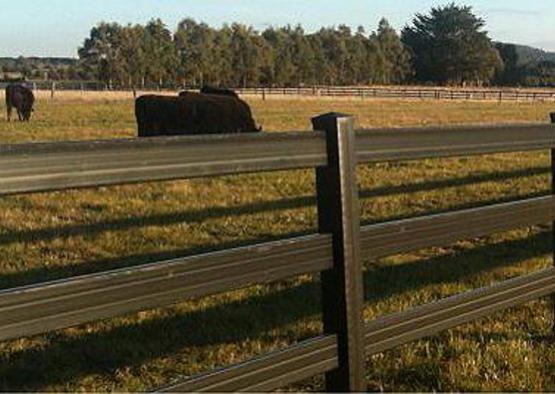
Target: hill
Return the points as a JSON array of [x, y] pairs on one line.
[[38, 67], [529, 55]]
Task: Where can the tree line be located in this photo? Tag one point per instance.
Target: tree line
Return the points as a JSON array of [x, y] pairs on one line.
[[237, 55], [446, 46]]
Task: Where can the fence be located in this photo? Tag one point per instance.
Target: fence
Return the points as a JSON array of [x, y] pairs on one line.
[[362, 92], [407, 93], [336, 251]]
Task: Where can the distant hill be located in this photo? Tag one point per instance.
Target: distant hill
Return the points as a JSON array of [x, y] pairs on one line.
[[36, 62], [530, 55], [37, 68]]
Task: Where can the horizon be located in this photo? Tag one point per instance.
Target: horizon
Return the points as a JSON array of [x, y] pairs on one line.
[[21, 23]]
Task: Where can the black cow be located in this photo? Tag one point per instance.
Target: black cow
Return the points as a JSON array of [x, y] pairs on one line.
[[219, 91], [20, 98], [192, 113]]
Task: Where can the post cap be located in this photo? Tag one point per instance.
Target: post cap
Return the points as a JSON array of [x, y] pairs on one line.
[[330, 115], [332, 120]]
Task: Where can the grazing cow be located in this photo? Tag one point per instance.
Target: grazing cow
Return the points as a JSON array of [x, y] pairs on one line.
[[20, 98], [219, 91], [192, 113]]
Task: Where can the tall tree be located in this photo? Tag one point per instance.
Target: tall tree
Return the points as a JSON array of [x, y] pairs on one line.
[[450, 46], [283, 70], [513, 72], [100, 53], [195, 44], [133, 55], [223, 60], [160, 52], [393, 58], [303, 57], [246, 48]]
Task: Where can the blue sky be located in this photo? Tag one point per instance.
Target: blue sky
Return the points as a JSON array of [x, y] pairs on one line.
[[58, 27]]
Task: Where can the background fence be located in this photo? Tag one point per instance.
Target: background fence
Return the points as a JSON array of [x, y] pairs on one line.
[[336, 251], [421, 93], [361, 92]]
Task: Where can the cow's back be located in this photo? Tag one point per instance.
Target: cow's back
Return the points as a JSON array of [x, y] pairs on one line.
[[218, 91]]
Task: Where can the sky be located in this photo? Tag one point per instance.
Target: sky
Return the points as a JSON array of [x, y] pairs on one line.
[[58, 27]]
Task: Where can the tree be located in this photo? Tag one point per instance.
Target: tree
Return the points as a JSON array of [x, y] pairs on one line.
[[393, 60], [100, 53], [160, 52], [513, 72], [282, 71], [223, 53], [133, 55], [246, 48], [449, 46], [541, 74], [303, 57], [196, 50]]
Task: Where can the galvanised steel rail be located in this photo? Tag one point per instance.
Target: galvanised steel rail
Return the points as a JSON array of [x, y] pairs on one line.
[[337, 251], [378, 145], [269, 372], [391, 331], [41, 308], [400, 236], [33, 167], [40, 167]]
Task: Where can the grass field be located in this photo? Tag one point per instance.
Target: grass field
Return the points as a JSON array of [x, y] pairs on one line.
[[56, 235]]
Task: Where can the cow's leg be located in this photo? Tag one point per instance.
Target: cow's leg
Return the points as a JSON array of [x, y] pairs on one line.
[[20, 115], [9, 109]]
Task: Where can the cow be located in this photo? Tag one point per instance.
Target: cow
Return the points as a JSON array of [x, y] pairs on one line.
[[219, 91], [191, 114], [20, 98]]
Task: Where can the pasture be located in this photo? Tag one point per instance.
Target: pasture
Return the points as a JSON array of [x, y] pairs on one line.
[[49, 236]]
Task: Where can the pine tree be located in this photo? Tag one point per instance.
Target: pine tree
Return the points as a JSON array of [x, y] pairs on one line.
[[449, 46]]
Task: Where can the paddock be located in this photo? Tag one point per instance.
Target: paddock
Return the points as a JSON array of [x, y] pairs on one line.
[[49, 236]]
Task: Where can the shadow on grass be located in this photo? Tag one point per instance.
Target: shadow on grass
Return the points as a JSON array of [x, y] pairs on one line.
[[267, 206], [134, 344], [45, 274]]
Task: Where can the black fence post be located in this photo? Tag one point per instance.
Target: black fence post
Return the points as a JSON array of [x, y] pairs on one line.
[[553, 224], [342, 287]]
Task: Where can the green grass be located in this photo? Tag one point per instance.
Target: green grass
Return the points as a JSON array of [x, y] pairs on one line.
[[56, 235]]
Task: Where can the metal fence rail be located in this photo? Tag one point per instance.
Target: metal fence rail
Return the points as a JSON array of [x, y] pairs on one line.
[[33, 167], [336, 252], [37, 309], [407, 235], [269, 372], [392, 331], [39, 167]]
